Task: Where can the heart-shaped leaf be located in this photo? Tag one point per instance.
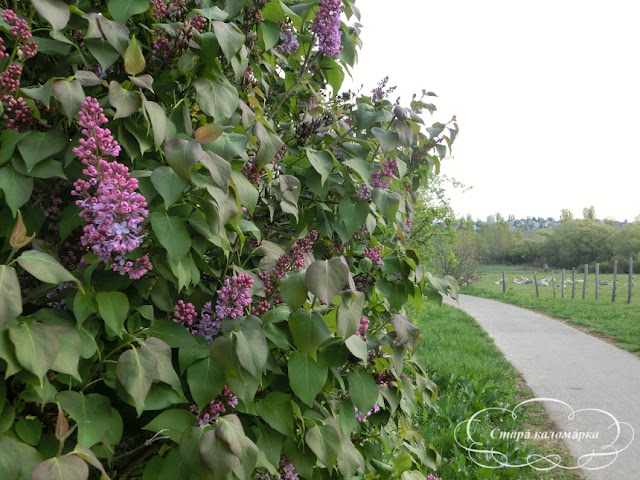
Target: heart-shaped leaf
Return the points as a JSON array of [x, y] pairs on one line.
[[326, 278]]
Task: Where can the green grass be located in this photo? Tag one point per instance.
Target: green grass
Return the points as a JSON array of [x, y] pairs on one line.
[[471, 374], [619, 321]]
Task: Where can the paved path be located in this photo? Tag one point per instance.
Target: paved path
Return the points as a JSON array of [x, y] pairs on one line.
[[563, 363]]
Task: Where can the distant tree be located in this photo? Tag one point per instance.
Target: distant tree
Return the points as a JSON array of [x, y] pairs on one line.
[[612, 222], [589, 213], [458, 255], [565, 214], [626, 242], [577, 242]]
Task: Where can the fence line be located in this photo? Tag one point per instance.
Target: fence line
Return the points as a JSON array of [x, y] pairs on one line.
[[545, 282]]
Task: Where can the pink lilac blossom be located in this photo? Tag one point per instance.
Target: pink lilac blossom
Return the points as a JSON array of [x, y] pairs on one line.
[[161, 50], [374, 254], [185, 313], [431, 476], [158, 9], [364, 326], [361, 235], [363, 192], [3, 50], [234, 296], [252, 172], [326, 26], [111, 206], [208, 326], [10, 79], [289, 40], [198, 22], [17, 113], [211, 411], [383, 175], [363, 418]]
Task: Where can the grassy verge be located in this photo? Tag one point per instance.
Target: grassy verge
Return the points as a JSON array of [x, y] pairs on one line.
[[472, 375], [619, 321]]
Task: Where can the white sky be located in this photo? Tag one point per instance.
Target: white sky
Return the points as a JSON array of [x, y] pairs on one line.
[[546, 93]]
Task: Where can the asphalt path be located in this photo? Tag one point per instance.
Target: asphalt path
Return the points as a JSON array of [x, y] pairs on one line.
[[593, 386]]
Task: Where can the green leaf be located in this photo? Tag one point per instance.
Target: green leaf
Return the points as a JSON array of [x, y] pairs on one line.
[[325, 279], [173, 334], [270, 143], [275, 409], [407, 332], [45, 268], [358, 347], [309, 330], [354, 215], [158, 120], [7, 353], [87, 78], [89, 412], [324, 441], [164, 366], [350, 460], [9, 454], [134, 62], [122, 10], [116, 33], [172, 423], [11, 304], [389, 140], [17, 188], [135, 370], [37, 146], [293, 289], [168, 184], [29, 430], [69, 354], [36, 347], [270, 34], [246, 191], [70, 95], [205, 380], [269, 444], [229, 38], [124, 101], [113, 308], [229, 145], [189, 448], [349, 313], [363, 391], [252, 350], [8, 140], [88, 456], [67, 467], [216, 98], [55, 12], [387, 202], [321, 161], [306, 376], [172, 234], [182, 155], [102, 51]]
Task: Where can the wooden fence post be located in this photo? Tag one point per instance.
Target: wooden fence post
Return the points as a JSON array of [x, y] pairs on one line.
[[615, 280], [553, 283], [573, 283], [504, 283], [562, 288], [597, 281], [535, 280], [630, 278], [584, 285]]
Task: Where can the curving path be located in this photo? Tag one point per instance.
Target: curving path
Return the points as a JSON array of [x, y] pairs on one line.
[[563, 363]]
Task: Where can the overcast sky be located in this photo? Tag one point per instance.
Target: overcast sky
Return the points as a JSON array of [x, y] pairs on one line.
[[546, 93]]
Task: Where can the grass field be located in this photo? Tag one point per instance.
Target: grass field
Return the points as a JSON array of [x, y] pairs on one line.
[[619, 321], [471, 375]]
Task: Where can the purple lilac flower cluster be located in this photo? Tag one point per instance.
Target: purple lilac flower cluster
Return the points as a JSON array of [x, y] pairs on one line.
[[383, 175], [213, 409], [326, 26], [286, 471], [361, 235], [21, 32], [289, 40], [205, 324], [363, 192], [364, 326], [234, 296], [431, 476], [252, 172], [374, 254], [158, 9], [363, 418], [295, 261], [111, 206]]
